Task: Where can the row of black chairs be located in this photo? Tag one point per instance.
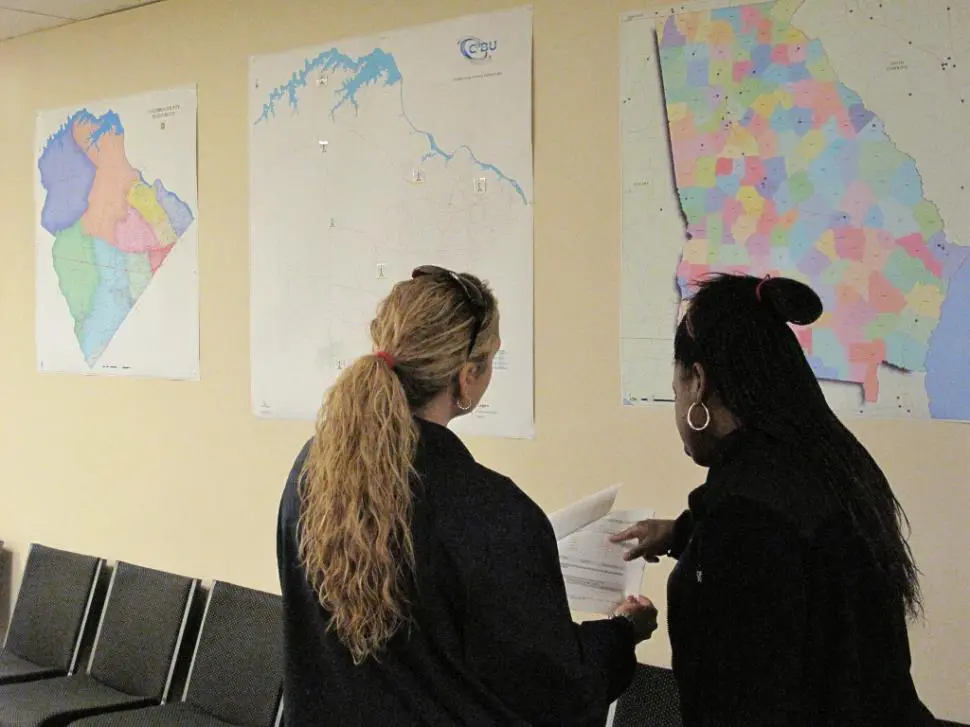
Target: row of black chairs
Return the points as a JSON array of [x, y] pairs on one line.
[[142, 647], [129, 674], [137, 646]]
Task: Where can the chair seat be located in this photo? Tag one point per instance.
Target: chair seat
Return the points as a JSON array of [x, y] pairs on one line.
[[16, 669], [178, 714], [53, 702], [652, 699]]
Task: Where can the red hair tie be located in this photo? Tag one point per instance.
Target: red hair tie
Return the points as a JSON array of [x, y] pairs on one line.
[[387, 358], [757, 290]]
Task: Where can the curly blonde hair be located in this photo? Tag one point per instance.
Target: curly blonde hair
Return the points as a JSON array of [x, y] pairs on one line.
[[356, 490]]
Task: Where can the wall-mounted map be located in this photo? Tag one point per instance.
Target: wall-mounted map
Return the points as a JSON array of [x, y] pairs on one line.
[[117, 287], [788, 158]]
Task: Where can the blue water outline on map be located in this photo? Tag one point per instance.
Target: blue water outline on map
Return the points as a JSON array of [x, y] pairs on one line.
[[373, 68], [108, 123]]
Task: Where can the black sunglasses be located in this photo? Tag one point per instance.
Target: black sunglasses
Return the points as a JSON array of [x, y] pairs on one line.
[[473, 296]]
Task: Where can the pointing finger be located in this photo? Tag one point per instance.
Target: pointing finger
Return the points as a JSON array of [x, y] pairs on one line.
[[628, 534], [636, 551]]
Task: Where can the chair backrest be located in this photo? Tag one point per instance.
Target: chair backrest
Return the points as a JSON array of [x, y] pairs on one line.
[[141, 629], [237, 669], [652, 700], [53, 607]]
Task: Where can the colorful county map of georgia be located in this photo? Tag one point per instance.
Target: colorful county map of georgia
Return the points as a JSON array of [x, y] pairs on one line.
[[781, 169], [112, 230]]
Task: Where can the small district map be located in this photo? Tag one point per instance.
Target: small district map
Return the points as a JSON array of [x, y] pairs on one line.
[[111, 227], [782, 168]]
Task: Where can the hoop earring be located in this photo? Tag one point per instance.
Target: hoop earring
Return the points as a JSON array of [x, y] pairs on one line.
[[463, 406], [707, 416]]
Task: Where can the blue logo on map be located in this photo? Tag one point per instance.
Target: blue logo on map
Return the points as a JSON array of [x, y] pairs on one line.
[[476, 49]]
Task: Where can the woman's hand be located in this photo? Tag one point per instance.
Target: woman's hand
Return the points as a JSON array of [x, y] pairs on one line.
[[654, 538], [641, 613]]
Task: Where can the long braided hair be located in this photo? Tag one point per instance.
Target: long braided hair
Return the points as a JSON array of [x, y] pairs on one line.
[[737, 328]]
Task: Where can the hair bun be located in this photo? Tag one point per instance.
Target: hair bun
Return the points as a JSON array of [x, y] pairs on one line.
[[794, 301]]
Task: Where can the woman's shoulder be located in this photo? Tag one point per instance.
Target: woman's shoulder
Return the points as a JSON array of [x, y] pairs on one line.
[[289, 508], [480, 485], [449, 473], [296, 470], [473, 494], [774, 478]]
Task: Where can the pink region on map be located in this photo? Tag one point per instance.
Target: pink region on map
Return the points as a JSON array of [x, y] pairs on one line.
[[134, 234], [157, 255]]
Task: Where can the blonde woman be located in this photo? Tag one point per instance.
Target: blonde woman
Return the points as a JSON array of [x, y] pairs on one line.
[[419, 587]]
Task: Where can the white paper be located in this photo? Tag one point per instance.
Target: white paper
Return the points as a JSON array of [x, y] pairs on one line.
[[580, 514], [597, 578], [371, 156], [116, 237]]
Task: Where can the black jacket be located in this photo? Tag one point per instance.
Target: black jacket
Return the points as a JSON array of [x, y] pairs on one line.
[[492, 640], [778, 615]]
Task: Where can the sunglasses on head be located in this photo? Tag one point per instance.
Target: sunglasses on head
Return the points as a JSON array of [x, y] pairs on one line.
[[473, 295]]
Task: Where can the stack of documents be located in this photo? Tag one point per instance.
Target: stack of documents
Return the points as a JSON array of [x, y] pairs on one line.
[[597, 578]]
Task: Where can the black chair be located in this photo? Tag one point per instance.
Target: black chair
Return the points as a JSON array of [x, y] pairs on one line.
[[652, 700], [236, 675], [52, 609], [132, 659]]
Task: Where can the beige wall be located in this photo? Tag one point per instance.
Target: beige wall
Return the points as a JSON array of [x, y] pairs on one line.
[[181, 476]]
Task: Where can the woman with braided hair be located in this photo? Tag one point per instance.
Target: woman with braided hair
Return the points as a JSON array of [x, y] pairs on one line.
[[789, 600]]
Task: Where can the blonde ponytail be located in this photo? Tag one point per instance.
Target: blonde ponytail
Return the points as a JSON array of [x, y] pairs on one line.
[[357, 538], [355, 521]]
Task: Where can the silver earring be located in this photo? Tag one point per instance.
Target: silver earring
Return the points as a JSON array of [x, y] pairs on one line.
[[707, 416], [463, 405]]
